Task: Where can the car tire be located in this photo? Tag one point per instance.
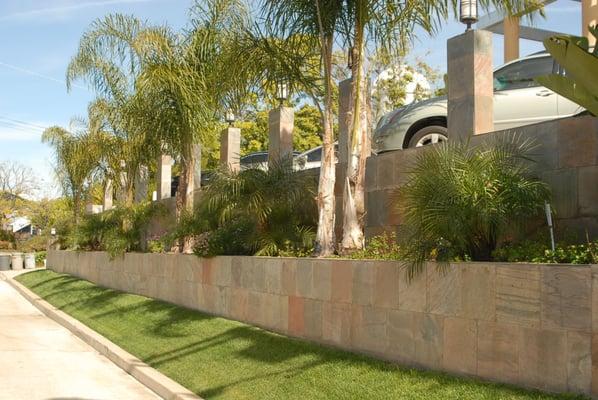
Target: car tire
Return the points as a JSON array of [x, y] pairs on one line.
[[429, 135]]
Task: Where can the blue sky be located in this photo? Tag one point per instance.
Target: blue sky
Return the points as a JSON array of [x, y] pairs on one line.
[[40, 37]]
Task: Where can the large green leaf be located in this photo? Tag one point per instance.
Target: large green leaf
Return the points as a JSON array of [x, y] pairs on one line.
[[570, 89]]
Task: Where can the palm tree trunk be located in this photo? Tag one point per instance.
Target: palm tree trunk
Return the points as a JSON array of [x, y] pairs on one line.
[[184, 197], [358, 143], [325, 239]]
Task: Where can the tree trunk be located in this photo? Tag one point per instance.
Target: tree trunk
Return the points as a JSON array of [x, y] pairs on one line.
[[358, 151], [325, 238], [184, 197]]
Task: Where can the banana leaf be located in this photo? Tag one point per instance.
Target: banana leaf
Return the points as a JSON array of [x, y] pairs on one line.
[[572, 90]]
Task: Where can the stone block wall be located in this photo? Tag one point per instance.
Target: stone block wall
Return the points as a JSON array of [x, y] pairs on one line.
[[567, 160], [528, 325]]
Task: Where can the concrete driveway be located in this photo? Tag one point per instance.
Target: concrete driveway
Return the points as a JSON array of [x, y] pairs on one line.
[[41, 360]]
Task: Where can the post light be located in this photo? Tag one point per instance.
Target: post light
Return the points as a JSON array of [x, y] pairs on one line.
[[229, 117], [123, 163], [53, 231], [282, 92], [468, 13]]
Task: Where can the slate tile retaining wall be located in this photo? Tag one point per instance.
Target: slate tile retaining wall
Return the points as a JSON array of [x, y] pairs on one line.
[[528, 325]]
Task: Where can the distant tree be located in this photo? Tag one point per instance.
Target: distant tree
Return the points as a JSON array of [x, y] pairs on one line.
[[17, 180]]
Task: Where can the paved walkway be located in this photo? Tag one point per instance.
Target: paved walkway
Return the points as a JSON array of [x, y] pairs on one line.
[[41, 360]]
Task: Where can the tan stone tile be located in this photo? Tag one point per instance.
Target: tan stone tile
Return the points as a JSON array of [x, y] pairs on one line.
[[369, 328], [322, 279], [296, 319], [542, 359], [428, 337], [386, 287], [579, 362], [401, 344], [566, 297], [256, 274], [273, 275], [459, 346], [498, 351], [444, 290], [304, 278], [594, 306], [312, 318], [342, 281], [413, 294], [236, 270], [518, 294], [221, 271], [239, 303], [336, 323], [288, 276], [594, 389], [478, 291], [364, 276]]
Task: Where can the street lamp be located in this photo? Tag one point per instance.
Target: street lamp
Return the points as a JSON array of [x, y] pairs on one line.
[[282, 92], [229, 117], [468, 13]]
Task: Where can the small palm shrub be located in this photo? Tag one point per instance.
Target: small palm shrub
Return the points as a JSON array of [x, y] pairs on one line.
[[380, 247], [255, 212], [460, 200], [116, 231]]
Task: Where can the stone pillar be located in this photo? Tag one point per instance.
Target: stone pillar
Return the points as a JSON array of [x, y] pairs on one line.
[[589, 16], [197, 168], [280, 128], [141, 184], [164, 176], [511, 34], [345, 108], [122, 177], [470, 85], [230, 148], [108, 195]]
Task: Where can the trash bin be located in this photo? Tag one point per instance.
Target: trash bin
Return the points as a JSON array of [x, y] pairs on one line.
[[17, 261], [29, 260], [4, 262]]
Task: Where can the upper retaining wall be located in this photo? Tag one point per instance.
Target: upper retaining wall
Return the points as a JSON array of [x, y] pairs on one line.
[[567, 156], [529, 325]]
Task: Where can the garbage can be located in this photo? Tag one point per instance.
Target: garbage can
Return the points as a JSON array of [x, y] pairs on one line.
[[29, 260], [17, 261], [4, 262]]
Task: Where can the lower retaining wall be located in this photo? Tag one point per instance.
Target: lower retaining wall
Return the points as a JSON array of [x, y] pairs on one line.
[[528, 325]]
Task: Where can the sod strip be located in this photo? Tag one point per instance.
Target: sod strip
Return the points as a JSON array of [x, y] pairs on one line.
[[221, 359]]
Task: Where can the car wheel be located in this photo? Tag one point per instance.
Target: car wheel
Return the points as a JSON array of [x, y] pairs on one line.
[[429, 135]]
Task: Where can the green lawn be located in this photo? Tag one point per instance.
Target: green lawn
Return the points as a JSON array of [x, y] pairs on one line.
[[218, 358]]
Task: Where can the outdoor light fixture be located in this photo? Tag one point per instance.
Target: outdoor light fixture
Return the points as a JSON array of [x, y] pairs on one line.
[[53, 231], [229, 117], [282, 92], [469, 13]]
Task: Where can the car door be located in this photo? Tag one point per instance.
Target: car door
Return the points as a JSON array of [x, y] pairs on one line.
[[518, 98]]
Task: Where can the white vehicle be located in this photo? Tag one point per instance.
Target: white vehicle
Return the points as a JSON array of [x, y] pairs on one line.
[[312, 158], [518, 100]]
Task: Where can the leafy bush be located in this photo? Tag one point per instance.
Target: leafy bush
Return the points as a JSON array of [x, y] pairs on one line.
[[381, 247], [539, 252], [40, 256], [33, 244], [254, 212], [116, 231], [461, 200]]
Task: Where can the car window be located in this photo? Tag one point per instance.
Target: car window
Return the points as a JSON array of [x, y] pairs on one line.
[[260, 158], [315, 155], [247, 159], [520, 75]]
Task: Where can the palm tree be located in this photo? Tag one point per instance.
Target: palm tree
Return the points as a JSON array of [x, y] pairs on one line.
[[76, 159], [319, 19], [387, 24]]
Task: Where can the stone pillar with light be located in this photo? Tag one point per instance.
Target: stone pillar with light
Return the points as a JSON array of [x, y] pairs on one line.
[[589, 17], [470, 79], [141, 181], [230, 144], [108, 195], [122, 180], [281, 121], [164, 176]]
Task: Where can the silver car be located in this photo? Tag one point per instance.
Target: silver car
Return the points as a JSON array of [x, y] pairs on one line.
[[518, 100]]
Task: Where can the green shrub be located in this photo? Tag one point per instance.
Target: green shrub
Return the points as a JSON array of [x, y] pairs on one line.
[[33, 244], [460, 201], [381, 247], [40, 256], [254, 212], [539, 252], [116, 231]]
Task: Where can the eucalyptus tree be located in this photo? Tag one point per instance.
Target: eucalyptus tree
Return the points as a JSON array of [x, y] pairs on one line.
[[76, 156]]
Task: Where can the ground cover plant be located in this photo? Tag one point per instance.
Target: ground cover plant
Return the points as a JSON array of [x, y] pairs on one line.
[[222, 359]]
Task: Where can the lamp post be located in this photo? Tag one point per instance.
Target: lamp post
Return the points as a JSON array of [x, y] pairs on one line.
[[282, 92], [229, 117], [468, 13]]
